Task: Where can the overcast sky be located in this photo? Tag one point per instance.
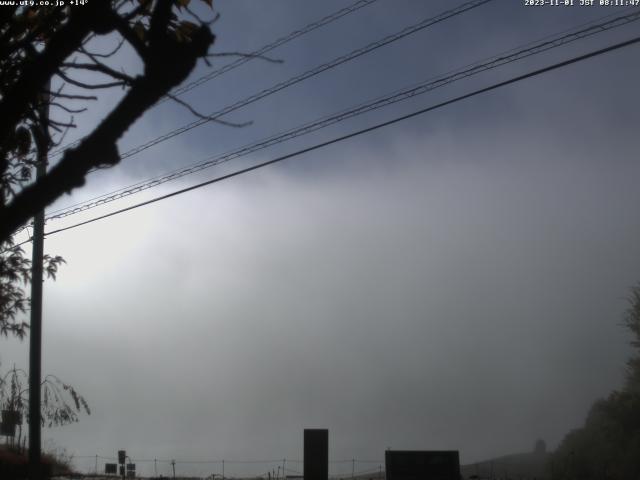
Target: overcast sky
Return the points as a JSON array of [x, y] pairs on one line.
[[455, 281]]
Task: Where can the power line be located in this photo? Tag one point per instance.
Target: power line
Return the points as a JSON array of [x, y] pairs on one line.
[[354, 7], [513, 55], [308, 74], [428, 22], [281, 41], [15, 246], [363, 131]]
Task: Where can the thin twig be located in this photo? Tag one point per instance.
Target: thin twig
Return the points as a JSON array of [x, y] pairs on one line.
[[67, 109], [62, 136], [197, 17], [207, 117], [246, 55], [55, 123], [88, 86], [103, 55], [101, 68], [127, 32], [74, 97]]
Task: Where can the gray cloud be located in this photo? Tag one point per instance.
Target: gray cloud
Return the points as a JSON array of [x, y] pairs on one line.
[[453, 282]]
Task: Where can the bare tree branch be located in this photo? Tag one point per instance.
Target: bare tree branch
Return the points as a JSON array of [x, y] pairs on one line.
[[101, 68], [103, 55], [90, 86], [73, 97], [246, 55], [124, 29], [167, 63], [38, 71], [206, 117], [67, 109]]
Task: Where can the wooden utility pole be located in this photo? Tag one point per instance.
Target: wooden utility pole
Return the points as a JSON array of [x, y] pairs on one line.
[[41, 138]]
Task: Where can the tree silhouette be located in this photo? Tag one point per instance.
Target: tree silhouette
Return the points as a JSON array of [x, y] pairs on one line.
[[607, 446], [38, 41], [41, 47], [61, 403]]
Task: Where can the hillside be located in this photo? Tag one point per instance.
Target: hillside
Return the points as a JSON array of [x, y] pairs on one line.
[[532, 465]]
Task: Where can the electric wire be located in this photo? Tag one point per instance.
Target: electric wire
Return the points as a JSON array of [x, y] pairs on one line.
[[297, 153], [354, 7], [513, 55], [428, 22], [267, 48], [318, 69]]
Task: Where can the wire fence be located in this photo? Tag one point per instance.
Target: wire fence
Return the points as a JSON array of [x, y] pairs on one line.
[[273, 469]]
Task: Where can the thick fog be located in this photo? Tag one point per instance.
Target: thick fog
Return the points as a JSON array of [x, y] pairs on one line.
[[456, 281]]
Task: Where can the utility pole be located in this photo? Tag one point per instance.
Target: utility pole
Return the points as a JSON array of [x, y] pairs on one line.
[[173, 464], [41, 138]]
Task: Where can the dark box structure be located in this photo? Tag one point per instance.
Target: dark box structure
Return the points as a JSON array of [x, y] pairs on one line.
[[422, 465], [316, 454]]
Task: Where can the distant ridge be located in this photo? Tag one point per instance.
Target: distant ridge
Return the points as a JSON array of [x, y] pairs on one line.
[[533, 465], [525, 466]]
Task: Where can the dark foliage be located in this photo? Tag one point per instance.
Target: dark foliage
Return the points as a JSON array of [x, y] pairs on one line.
[[608, 445], [61, 403]]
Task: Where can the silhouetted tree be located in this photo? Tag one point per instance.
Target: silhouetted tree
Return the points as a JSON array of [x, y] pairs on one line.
[[540, 447], [61, 403], [632, 321], [15, 273], [44, 46], [608, 445]]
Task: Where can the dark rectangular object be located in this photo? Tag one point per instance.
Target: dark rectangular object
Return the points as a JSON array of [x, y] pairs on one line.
[[131, 467], [8, 429], [122, 470], [110, 468], [422, 465], [316, 454], [122, 456], [10, 419]]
